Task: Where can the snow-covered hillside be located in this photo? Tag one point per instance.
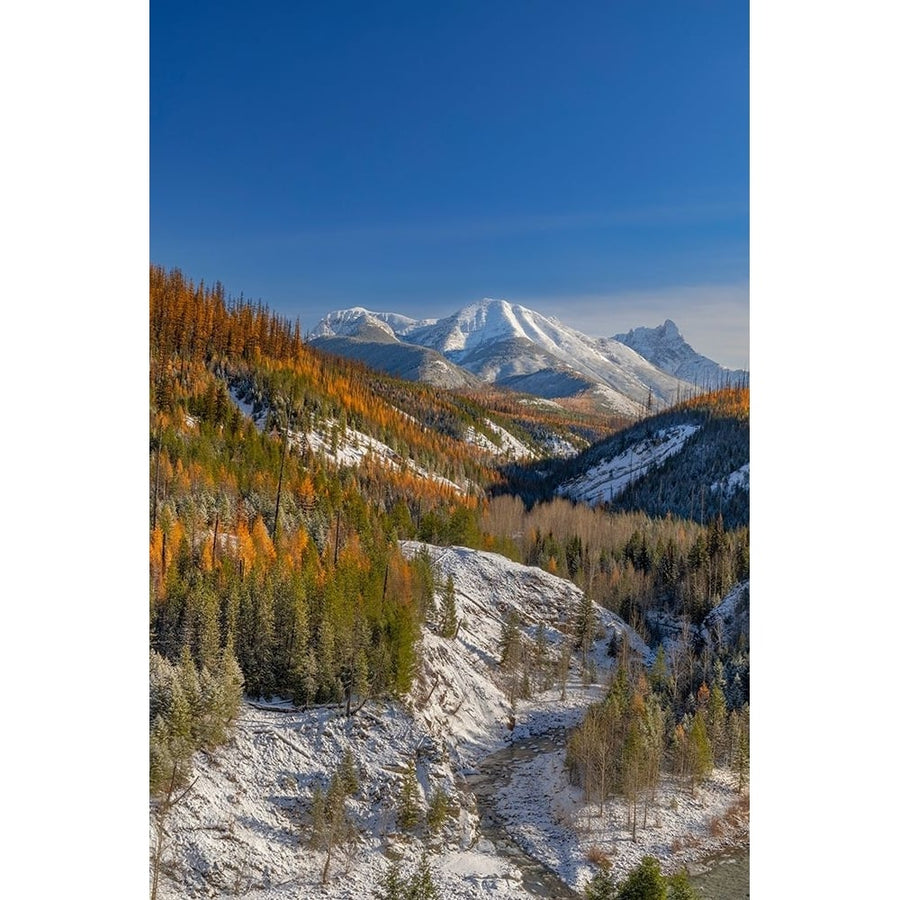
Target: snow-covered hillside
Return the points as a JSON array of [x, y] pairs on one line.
[[345, 446], [243, 827], [468, 706], [739, 480], [349, 322], [508, 445], [607, 479]]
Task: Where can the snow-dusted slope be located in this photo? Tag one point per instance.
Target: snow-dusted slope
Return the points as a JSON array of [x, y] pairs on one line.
[[349, 323], [739, 480], [479, 338], [665, 347], [345, 446], [508, 445], [243, 828], [728, 621], [379, 349], [468, 706], [603, 482]]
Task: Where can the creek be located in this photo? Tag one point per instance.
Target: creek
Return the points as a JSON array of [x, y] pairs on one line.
[[725, 877]]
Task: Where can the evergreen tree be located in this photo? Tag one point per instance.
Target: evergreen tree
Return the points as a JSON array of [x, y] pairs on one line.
[[701, 759], [438, 810], [408, 811], [659, 673], [601, 887], [348, 773], [392, 885], [331, 824], [645, 882], [718, 721], [448, 616], [421, 885]]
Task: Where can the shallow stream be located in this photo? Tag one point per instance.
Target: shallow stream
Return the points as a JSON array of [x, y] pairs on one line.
[[726, 877], [494, 773]]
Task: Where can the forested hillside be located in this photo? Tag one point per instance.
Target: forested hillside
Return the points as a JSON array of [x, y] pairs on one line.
[[287, 489], [280, 481], [690, 461]]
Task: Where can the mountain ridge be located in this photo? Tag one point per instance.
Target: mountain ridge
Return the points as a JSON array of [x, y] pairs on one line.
[[510, 345], [666, 348]]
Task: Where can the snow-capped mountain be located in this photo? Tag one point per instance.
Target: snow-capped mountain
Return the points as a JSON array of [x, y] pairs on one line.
[[351, 322], [665, 347], [375, 339], [510, 345]]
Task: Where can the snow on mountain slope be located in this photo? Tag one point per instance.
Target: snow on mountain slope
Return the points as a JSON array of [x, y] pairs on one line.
[[603, 482], [512, 345], [349, 322], [243, 827], [731, 618], [738, 480], [470, 336], [665, 347], [345, 447], [351, 447], [467, 705], [376, 347], [509, 444]]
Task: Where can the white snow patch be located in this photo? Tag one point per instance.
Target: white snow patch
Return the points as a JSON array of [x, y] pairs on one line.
[[347, 447], [510, 446], [560, 828], [736, 481], [603, 482]]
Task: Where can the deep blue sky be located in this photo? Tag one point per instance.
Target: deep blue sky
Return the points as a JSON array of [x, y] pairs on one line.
[[588, 159]]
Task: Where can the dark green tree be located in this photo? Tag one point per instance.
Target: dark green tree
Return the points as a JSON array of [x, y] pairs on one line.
[[408, 810], [645, 882], [601, 887], [449, 619]]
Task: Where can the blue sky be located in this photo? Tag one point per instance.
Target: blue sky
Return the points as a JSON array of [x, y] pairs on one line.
[[588, 159]]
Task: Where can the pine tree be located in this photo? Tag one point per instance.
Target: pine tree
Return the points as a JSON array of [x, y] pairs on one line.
[[421, 885], [448, 616], [408, 812], [601, 887], [392, 885], [331, 824], [438, 810], [645, 882], [701, 759], [348, 773], [718, 721], [659, 674]]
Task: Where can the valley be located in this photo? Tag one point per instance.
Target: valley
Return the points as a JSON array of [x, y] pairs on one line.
[[409, 641]]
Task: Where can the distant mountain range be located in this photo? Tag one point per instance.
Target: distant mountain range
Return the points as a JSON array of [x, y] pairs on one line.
[[509, 345]]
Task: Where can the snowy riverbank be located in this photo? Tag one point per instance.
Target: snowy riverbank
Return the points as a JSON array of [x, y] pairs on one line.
[[243, 828]]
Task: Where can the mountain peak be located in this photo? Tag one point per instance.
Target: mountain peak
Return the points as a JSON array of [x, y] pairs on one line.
[[670, 329], [666, 348]]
